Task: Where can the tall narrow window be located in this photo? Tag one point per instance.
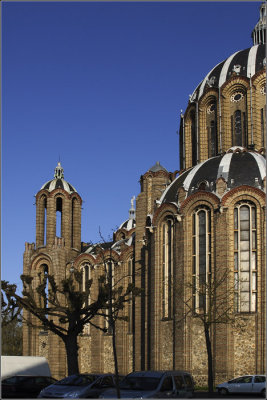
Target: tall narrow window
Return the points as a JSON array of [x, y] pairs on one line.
[[44, 219], [86, 276], [237, 128], [167, 268], [72, 222], [245, 257], [110, 283], [44, 279], [193, 138], [245, 134], [59, 217], [213, 139], [130, 303], [263, 130], [201, 257], [212, 129]]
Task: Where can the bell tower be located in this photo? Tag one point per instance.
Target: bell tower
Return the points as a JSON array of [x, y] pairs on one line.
[[58, 213], [58, 243]]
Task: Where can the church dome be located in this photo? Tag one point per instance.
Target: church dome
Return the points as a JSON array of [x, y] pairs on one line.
[[237, 167], [157, 167], [58, 182], [244, 63], [128, 224]]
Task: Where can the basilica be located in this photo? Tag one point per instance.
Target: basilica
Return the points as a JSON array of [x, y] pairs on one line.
[[186, 231]]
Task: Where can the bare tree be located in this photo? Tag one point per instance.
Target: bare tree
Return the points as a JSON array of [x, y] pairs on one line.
[[11, 321], [212, 303], [61, 309], [120, 290]]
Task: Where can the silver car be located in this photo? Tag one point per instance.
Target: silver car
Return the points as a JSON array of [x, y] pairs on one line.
[[79, 386], [255, 384], [154, 384]]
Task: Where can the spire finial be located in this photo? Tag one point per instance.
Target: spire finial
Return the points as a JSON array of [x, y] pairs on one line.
[[132, 209], [59, 171]]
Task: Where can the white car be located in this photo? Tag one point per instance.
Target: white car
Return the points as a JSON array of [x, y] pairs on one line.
[[244, 384]]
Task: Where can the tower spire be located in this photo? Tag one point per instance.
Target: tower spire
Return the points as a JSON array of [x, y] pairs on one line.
[[259, 32], [59, 171]]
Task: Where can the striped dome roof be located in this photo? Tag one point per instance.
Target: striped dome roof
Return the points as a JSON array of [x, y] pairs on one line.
[[58, 182], [237, 166], [244, 63], [128, 224]]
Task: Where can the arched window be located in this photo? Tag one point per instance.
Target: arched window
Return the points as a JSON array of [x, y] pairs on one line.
[[237, 128], [193, 137], [41, 221], [86, 277], [245, 257], [59, 217], [130, 303], [239, 118], [44, 279], [212, 129], [201, 257], [110, 281], [167, 268], [263, 127], [213, 139]]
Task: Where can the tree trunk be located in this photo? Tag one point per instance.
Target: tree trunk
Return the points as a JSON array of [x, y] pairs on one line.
[[71, 345], [115, 361], [209, 352]]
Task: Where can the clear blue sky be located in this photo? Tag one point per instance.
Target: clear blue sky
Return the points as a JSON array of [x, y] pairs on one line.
[[101, 86]]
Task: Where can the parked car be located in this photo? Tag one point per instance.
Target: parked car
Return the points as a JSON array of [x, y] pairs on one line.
[[255, 384], [79, 386], [154, 384], [24, 386]]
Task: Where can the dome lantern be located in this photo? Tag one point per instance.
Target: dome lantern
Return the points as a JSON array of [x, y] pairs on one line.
[[58, 181], [59, 171], [259, 32]]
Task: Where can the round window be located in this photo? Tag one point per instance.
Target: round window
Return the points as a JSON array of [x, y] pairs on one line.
[[237, 97]]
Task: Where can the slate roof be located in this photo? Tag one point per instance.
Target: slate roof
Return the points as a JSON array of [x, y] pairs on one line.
[[243, 63], [237, 167]]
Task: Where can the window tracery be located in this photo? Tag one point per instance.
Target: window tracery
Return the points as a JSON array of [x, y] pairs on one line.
[[167, 268], [245, 257], [201, 257], [212, 128], [239, 118], [193, 137]]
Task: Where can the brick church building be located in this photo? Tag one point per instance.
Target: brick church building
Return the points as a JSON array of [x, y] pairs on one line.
[[187, 228]]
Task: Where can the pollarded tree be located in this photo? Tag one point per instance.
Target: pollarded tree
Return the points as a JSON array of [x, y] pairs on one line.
[[60, 308], [63, 309], [11, 321]]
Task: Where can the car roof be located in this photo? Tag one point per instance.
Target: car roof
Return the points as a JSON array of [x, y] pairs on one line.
[[154, 374], [28, 376], [242, 376]]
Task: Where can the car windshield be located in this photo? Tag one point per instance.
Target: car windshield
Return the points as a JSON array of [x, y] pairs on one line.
[[77, 380], [139, 383]]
